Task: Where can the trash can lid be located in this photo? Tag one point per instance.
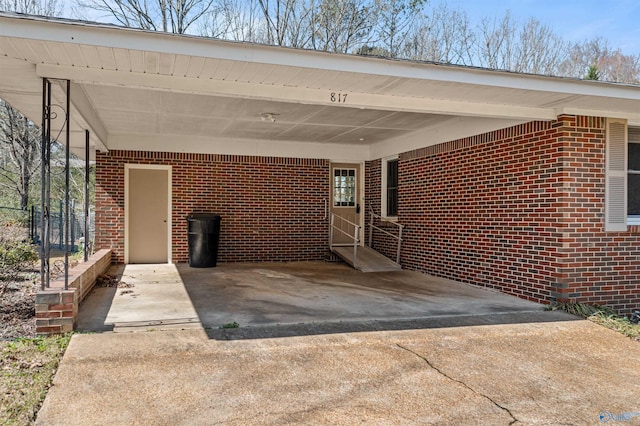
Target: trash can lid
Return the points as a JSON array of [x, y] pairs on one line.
[[199, 216]]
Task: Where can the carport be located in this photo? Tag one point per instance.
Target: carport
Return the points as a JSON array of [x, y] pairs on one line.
[[300, 151], [297, 298], [151, 104]]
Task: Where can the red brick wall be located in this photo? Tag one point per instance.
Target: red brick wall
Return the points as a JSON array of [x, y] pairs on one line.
[[382, 242], [596, 266], [272, 208], [519, 210]]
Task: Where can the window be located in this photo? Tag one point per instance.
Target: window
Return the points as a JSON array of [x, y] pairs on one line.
[[633, 174], [344, 187], [389, 199]]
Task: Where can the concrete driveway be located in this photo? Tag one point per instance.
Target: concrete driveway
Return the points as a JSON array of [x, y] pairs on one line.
[[569, 372], [371, 349], [300, 298]]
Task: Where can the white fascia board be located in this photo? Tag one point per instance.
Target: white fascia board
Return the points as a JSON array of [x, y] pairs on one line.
[[447, 131], [290, 94], [630, 116], [226, 146], [126, 38]]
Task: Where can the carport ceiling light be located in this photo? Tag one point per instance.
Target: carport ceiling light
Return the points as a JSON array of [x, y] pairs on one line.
[[271, 116]]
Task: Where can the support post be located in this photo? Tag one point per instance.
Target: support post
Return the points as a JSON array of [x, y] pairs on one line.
[[86, 196], [72, 226], [66, 187], [45, 189]]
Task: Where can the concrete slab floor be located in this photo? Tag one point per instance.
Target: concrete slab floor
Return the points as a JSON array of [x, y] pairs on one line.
[[569, 372], [281, 299]]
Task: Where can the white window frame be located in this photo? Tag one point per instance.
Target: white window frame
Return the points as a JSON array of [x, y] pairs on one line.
[[383, 189]]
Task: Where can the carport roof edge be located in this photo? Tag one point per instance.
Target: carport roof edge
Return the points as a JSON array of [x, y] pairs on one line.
[[114, 36], [93, 54]]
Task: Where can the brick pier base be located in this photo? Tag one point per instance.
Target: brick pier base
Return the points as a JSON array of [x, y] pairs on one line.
[[56, 308]]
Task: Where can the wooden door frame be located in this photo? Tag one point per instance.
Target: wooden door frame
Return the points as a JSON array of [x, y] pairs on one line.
[[360, 199], [128, 167]]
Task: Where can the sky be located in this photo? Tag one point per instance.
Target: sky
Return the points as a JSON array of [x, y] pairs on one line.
[[574, 20]]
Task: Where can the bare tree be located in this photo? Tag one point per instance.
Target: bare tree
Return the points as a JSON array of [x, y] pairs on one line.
[[620, 68], [612, 64], [286, 22], [441, 34], [174, 16], [238, 20], [33, 7], [530, 47], [395, 22], [342, 26], [19, 152], [539, 50]]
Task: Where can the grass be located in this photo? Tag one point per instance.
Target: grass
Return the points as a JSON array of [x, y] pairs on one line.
[[600, 315], [619, 324], [230, 325], [27, 367]]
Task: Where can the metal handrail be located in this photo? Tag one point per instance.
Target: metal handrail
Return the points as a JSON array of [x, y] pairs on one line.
[[355, 237], [384, 231]]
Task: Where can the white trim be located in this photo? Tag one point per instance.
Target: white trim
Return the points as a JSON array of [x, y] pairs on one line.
[[633, 220], [230, 146], [383, 189], [128, 167], [94, 34]]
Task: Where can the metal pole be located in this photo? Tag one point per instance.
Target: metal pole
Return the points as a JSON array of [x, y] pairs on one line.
[[72, 226], [331, 232], [355, 245], [61, 225], [86, 195], [371, 231], [399, 244], [45, 192], [42, 181], [66, 187], [32, 234]]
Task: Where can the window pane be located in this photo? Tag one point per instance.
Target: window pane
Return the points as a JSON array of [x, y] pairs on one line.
[[633, 198], [634, 156], [392, 173], [392, 188], [392, 202], [344, 187]]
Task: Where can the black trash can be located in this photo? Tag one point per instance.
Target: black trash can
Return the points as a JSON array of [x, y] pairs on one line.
[[204, 236]]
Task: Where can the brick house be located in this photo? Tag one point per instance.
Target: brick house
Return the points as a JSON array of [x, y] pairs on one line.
[[526, 184]]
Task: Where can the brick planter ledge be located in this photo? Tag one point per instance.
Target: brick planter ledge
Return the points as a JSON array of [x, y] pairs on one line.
[[56, 308]]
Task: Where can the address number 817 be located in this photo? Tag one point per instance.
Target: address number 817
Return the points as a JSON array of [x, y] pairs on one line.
[[339, 98]]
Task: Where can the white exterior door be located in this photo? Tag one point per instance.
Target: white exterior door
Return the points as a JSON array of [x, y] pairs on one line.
[[148, 215], [345, 201]]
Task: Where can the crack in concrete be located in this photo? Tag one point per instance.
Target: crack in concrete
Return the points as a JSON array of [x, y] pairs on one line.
[[442, 373]]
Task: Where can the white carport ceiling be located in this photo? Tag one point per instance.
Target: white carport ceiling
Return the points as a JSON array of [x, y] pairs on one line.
[[153, 91]]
